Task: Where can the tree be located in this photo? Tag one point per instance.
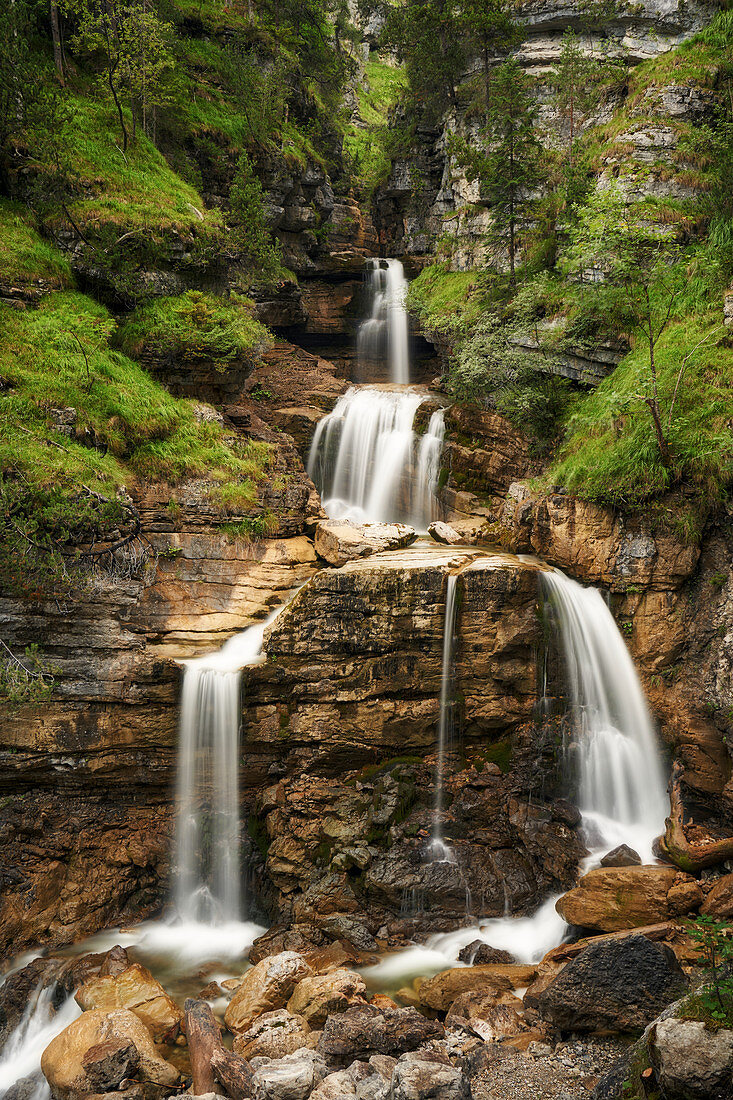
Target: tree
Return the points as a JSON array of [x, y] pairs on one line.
[[428, 35], [612, 246], [511, 164], [491, 32], [252, 234]]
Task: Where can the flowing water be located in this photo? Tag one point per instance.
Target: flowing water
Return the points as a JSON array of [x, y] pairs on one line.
[[369, 464], [439, 849], [21, 1055], [613, 747], [384, 335]]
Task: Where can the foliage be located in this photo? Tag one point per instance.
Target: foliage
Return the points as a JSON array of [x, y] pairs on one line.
[[24, 256], [252, 235], [448, 302], [368, 141], [24, 680], [426, 36], [194, 326], [715, 999]]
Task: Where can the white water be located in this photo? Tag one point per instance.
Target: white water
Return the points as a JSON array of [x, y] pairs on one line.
[[208, 884], [385, 333], [21, 1055], [622, 788], [439, 849], [368, 463]]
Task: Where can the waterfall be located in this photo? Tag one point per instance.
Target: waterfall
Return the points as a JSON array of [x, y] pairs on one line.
[[384, 335], [368, 463], [439, 849], [21, 1055], [207, 872], [622, 789]]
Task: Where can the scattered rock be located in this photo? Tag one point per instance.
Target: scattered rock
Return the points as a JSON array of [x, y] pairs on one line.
[[620, 984], [318, 997], [444, 533], [339, 541], [293, 1077], [479, 953], [613, 898], [417, 1079], [623, 856], [302, 938], [134, 988], [691, 1060], [363, 1031], [273, 1035], [266, 986], [337, 1086]]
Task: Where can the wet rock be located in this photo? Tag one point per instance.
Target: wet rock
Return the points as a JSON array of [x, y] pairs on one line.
[[620, 984], [613, 898], [566, 812], [134, 988], [318, 997], [293, 1077], [18, 988], [27, 1088], [719, 902], [339, 541], [273, 1035], [363, 1031], [351, 929], [623, 856], [62, 1061], [268, 985], [479, 953], [692, 1061], [444, 533], [302, 938], [109, 1063], [440, 991], [684, 896], [418, 1079]]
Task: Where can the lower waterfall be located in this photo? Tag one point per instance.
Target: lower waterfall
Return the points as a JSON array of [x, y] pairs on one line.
[[369, 464], [612, 746]]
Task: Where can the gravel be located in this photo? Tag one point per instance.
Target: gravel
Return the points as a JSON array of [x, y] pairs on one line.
[[569, 1072]]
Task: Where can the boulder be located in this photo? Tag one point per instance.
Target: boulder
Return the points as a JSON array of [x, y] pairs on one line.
[[618, 984], [719, 902], [363, 1031], [441, 991], [302, 938], [613, 898], [444, 533], [691, 1060], [318, 997], [134, 988], [337, 1086], [293, 1077], [415, 1079], [339, 541], [266, 986], [63, 1060], [273, 1035], [479, 953], [623, 856]]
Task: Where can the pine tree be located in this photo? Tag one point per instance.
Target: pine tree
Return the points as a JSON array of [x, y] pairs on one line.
[[429, 36]]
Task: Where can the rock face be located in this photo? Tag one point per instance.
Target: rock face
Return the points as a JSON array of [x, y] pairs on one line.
[[620, 985]]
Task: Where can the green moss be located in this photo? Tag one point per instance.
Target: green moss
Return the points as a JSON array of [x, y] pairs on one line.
[[194, 326], [24, 256], [258, 831], [500, 753], [372, 771]]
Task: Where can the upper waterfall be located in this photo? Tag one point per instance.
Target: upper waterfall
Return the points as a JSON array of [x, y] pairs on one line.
[[384, 335], [621, 785], [369, 464]]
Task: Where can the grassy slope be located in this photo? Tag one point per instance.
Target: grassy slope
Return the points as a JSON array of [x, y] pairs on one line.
[[366, 142]]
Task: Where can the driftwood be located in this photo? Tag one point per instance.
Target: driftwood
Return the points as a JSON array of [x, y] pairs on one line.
[[210, 1059], [204, 1037], [233, 1073], [686, 843]]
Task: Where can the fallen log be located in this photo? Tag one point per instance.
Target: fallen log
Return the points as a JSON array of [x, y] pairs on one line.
[[204, 1038], [233, 1073]]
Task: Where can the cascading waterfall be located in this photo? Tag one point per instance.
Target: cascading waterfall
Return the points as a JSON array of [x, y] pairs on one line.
[[622, 790], [208, 886], [21, 1056], [369, 464], [438, 848], [384, 335]]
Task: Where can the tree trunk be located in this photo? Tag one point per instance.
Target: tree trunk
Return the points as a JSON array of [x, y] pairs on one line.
[[233, 1073], [58, 55], [202, 1033]]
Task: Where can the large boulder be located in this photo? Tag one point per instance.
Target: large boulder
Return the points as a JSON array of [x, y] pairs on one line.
[[620, 984], [339, 540], [440, 991], [363, 1031], [692, 1061], [719, 902], [318, 997], [134, 988], [415, 1078], [293, 1077], [67, 1058], [273, 1035], [613, 898], [266, 986]]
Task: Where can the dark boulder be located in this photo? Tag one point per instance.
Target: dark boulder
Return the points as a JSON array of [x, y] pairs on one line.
[[623, 856], [478, 953], [619, 984], [363, 1031]]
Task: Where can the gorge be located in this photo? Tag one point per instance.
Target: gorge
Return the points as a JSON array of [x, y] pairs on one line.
[[366, 599]]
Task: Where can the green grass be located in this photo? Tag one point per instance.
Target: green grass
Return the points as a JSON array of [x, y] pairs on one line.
[[610, 454], [448, 301], [25, 257], [367, 142], [194, 326]]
